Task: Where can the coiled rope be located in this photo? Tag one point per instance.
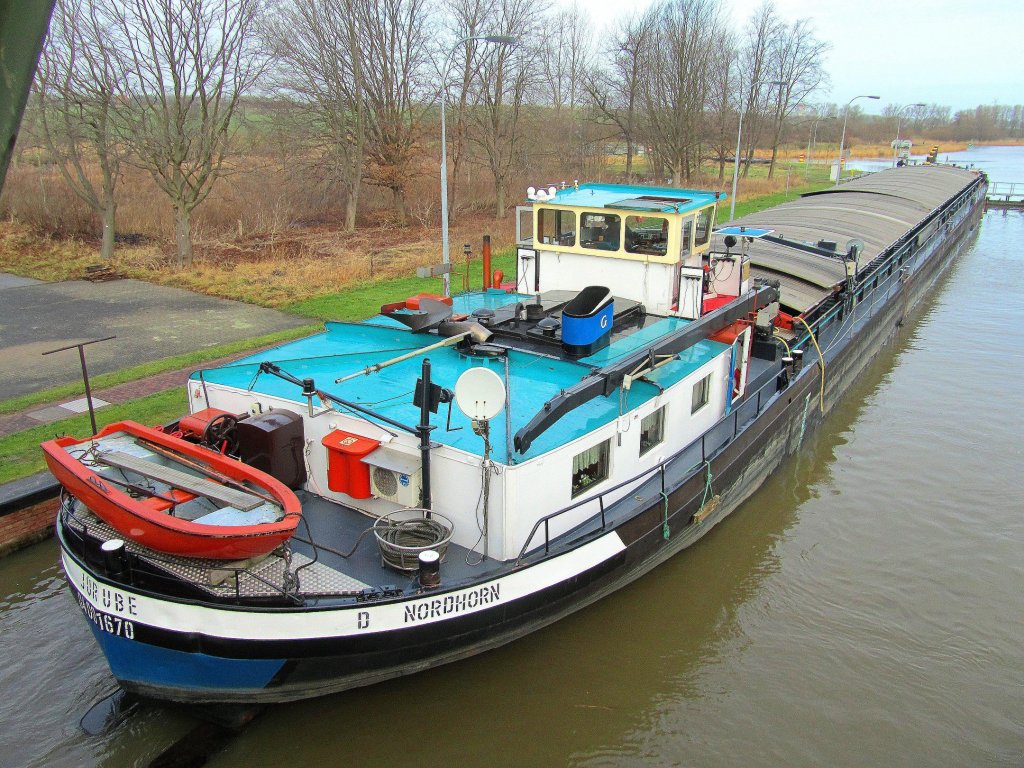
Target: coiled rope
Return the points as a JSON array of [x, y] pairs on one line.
[[402, 541]]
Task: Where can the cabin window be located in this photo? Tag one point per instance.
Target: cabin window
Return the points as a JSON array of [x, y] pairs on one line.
[[703, 226], [590, 467], [686, 239], [600, 231], [647, 234], [556, 227], [701, 393], [652, 430]]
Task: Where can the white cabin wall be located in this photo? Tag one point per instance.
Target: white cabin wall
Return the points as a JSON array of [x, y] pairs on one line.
[[647, 282], [542, 485], [455, 489]]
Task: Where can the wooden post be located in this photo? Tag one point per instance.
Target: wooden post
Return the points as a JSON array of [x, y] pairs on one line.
[[487, 262]]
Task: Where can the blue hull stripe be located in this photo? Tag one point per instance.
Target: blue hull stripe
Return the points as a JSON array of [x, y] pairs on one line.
[[138, 662]]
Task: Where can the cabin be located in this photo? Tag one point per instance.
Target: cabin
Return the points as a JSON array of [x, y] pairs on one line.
[[651, 243], [609, 273]]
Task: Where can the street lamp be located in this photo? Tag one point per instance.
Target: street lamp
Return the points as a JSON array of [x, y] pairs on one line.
[[846, 114], [446, 260], [736, 159], [899, 117], [812, 139]]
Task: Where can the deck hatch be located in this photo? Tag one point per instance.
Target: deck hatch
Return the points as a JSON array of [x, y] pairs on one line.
[[648, 204]]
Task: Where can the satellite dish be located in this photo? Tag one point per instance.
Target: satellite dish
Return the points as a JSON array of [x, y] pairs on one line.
[[480, 394]]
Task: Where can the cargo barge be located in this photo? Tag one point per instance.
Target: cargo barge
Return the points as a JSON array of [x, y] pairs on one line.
[[472, 469]]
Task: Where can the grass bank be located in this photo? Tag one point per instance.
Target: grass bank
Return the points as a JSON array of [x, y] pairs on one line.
[[20, 455]]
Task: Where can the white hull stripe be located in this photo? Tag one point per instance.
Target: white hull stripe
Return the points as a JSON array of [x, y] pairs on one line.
[[350, 620]]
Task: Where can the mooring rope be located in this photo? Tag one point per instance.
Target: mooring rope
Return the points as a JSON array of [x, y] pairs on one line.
[[788, 350], [707, 486], [821, 361]]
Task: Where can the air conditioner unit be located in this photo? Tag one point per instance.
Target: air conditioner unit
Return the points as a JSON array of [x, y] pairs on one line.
[[395, 477]]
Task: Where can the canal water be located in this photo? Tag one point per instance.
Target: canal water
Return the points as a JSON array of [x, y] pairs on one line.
[[864, 607]]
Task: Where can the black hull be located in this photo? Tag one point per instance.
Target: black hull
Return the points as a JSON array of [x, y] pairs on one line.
[[278, 670]]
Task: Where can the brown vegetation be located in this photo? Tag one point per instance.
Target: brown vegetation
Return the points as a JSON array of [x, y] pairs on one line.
[[253, 241], [330, 177]]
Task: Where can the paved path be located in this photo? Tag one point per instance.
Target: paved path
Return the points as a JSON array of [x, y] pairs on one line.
[[151, 322], [122, 393], [13, 281]]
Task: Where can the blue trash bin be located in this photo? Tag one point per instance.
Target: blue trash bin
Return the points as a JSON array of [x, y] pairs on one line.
[[587, 321]]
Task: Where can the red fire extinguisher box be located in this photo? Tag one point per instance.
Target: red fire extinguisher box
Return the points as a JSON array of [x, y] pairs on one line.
[[346, 473]]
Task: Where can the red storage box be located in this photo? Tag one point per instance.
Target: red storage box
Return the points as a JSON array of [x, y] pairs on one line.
[[346, 473]]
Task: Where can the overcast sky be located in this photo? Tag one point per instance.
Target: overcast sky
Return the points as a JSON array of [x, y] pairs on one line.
[[958, 53]]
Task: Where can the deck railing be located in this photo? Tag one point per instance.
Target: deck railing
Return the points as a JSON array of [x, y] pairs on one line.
[[78, 528], [698, 453], [876, 282]]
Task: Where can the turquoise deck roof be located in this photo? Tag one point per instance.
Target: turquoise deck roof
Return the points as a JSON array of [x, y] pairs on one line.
[[346, 348], [626, 197]]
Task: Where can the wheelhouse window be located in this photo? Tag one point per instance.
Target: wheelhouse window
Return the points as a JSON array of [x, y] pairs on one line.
[[686, 239], [647, 234], [703, 226], [652, 430], [556, 227], [590, 467], [701, 393], [600, 231]]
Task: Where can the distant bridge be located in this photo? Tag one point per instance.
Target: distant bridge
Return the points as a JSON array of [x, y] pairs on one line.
[[1005, 194]]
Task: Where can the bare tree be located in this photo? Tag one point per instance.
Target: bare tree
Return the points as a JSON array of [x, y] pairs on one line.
[[458, 68], [721, 129], [394, 50], [679, 62], [502, 83], [614, 91], [762, 28], [317, 50], [75, 87], [189, 62], [796, 62], [565, 57], [564, 61]]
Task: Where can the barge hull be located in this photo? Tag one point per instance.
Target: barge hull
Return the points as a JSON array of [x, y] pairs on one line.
[[204, 668]]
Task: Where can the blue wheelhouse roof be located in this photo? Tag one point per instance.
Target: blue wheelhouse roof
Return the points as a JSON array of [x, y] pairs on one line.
[[635, 198]]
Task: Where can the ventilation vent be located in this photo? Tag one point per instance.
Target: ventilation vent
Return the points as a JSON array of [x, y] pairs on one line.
[[394, 477], [386, 481]]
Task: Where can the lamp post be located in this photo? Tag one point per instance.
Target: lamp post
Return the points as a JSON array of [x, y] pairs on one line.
[[846, 115], [899, 117], [445, 258], [812, 139], [736, 159]]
